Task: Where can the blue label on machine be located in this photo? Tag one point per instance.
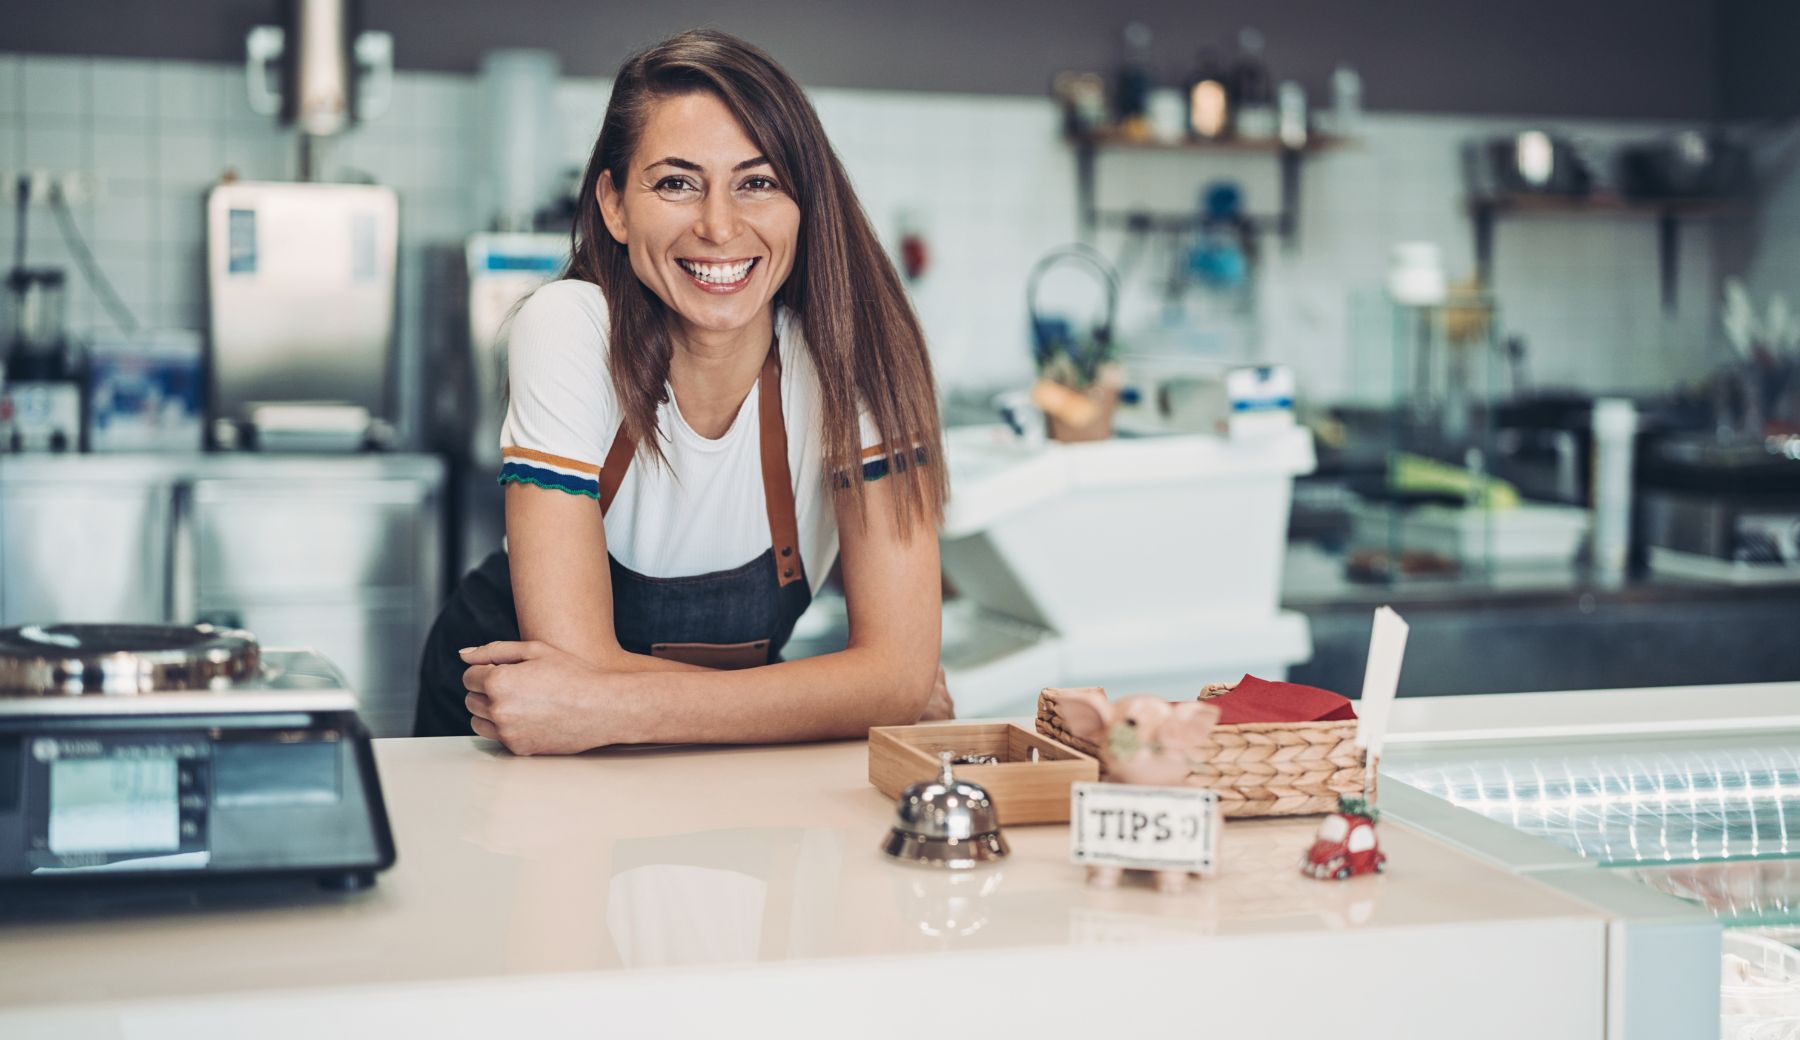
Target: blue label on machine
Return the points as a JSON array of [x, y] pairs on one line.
[[241, 242], [1262, 404], [523, 262]]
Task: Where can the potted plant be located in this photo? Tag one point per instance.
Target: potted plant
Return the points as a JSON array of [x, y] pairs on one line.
[[1078, 380]]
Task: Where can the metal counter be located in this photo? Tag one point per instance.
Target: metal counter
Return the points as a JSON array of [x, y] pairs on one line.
[[343, 554], [1546, 629]]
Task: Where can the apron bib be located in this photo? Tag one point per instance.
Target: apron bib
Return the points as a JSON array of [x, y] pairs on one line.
[[736, 618]]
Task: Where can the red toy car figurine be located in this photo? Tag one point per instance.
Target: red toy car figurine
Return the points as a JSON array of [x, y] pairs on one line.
[[1346, 844]]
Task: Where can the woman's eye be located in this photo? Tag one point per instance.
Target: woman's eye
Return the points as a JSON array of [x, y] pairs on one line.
[[760, 183], [674, 185]]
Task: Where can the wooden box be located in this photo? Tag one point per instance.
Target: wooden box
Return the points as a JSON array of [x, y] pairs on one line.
[[1023, 791]]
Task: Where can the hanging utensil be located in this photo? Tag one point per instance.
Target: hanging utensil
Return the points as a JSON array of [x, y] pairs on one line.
[[1053, 337]]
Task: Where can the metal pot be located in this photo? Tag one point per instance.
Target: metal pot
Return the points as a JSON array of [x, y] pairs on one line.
[[1533, 162], [1689, 164]]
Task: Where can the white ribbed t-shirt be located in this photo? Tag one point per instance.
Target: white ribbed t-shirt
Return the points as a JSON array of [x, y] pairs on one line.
[[702, 512]]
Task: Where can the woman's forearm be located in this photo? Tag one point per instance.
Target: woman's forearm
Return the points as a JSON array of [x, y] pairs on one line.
[[815, 698], [608, 655], [620, 660]]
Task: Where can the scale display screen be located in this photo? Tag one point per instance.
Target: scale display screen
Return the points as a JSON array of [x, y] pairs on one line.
[[114, 805]]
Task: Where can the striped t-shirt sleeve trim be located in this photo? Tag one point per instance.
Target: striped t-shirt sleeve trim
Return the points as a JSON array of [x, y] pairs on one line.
[[878, 463], [540, 468]]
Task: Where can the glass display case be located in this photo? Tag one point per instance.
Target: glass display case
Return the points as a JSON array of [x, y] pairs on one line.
[[1643, 805], [1701, 811], [1438, 510]]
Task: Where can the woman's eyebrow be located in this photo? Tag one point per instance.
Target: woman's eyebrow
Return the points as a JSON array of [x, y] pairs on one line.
[[687, 164]]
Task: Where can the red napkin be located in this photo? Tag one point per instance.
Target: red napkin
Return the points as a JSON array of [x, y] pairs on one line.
[[1258, 700]]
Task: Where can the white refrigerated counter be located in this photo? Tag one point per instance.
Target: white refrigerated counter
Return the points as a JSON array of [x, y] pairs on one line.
[[1142, 562], [1690, 795]]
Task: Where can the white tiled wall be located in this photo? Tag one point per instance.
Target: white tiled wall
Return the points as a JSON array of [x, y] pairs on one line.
[[987, 178], [1769, 247]]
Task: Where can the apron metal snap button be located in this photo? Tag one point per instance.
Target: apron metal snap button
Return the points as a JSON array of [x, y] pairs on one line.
[[787, 550], [787, 572]]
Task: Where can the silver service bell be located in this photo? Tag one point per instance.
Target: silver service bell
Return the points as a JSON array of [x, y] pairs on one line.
[[946, 822]]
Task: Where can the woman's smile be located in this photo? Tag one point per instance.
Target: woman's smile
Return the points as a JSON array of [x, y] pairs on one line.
[[722, 277]]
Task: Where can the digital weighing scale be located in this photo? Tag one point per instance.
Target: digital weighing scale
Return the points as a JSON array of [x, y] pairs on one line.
[[151, 751]]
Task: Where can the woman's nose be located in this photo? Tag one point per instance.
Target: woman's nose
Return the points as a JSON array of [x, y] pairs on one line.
[[718, 218]]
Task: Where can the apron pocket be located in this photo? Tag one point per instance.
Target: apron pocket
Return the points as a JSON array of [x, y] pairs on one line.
[[726, 656]]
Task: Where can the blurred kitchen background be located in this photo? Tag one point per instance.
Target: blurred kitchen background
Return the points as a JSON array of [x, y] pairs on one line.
[[1482, 309]]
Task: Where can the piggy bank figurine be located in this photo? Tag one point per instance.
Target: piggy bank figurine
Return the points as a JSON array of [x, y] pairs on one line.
[[1141, 740]]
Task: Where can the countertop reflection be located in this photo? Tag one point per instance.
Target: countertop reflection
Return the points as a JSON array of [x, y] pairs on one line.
[[633, 860]]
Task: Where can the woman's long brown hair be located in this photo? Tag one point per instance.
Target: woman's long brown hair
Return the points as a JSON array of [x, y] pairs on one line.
[[859, 327]]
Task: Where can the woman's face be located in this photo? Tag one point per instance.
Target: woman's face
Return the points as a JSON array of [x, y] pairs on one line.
[[707, 226]]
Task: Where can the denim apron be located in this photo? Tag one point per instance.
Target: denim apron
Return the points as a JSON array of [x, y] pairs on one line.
[[735, 618]]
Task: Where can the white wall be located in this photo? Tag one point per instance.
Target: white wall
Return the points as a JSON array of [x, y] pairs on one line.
[[988, 177], [1766, 251]]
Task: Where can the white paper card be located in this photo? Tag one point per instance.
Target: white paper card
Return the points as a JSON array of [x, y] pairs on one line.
[[1144, 828], [1381, 680]]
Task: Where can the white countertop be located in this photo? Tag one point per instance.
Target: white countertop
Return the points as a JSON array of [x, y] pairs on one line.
[[680, 890], [1660, 711]]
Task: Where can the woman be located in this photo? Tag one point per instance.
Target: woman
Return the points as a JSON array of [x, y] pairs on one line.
[[731, 371]]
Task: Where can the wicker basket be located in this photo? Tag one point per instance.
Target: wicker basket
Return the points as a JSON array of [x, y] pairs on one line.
[[1257, 768]]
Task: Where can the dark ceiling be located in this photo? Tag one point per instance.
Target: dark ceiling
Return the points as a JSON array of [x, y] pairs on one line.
[[1674, 59]]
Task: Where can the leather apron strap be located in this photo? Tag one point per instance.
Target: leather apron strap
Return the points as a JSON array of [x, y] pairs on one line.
[[612, 471], [778, 484]]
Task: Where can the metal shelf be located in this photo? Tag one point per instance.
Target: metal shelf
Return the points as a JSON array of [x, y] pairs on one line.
[[1668, 213], [1285, 221], [1115, 139]]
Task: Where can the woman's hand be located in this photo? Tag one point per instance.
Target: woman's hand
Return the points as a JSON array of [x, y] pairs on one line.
[[940, 706], [536, 699]]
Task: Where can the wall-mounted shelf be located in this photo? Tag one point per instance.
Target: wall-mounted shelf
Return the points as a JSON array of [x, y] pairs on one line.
[[1284, 221], [1485, 210]]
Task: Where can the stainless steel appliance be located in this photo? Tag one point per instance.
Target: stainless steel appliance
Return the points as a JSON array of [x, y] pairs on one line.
[[40, 415], [139, 751], [503, 268], [40, 395], [1710, 502], [301, 300], [342, 554], [36, 342], [318, 71]]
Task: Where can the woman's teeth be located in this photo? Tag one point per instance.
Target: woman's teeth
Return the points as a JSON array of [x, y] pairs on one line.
[[718, 274]]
